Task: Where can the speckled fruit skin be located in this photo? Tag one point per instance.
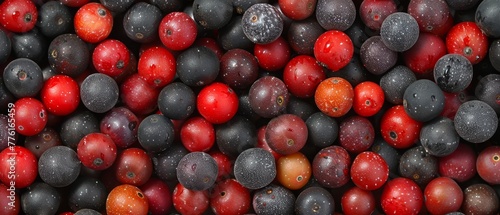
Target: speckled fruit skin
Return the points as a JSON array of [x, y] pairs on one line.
[[93, 22], [334, 96], [261, 23], [126, 199], [476, 121], [402, 196]]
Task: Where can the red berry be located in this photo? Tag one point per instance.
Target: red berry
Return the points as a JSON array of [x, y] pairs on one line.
[[334, 49]]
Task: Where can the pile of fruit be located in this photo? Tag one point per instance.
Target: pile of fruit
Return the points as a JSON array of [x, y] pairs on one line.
[[249, 107]]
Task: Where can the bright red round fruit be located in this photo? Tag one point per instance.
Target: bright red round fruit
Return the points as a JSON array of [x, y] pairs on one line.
[[224, 163], [111, 57], [96, 151], [157, 66], [229, 197], [18, 15], [402, 196], [177, 31], [297, 9], [18, 167], [334, 96], [357, 201], [369, 171], [60, 95], [422, 57], [368, 98], [140, 97], [334, 49], [93, 22], [302, 74], [197, 134], [398, 129], [217, 103], [190, 202], [30, 116], [467, 39], [488, 164], [126, 199], [443, 195], [272, 56]]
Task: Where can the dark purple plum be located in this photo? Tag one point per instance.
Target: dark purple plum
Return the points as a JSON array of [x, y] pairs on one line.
[[197, 171], [239, 68], [120, 124], [331, 166], [269, 96], [376, 57]]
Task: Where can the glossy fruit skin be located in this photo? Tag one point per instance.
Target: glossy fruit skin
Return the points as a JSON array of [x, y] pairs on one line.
[[357, 201], [190, 202], [369, 171], [302, 74], [467, 39], [293, 171], [111, 57], [217, 103], [333, 49], [402, 196], [422, 57], [19, 167], [487, 162], [177, 31], [268, 96], [334, 96], [439, 137], [44, 140], [398, 129], [272, 56], [286, 134], [23, 77], [443, 195], [155, 133], [157, 66], [373, 12], [239, 68], [368, 98], [322, 129], [159, 196], [60, 95], [138, 96], [212, 14], [30, 116], [230, 197], [97, 151], [121, 125], [331, 166], [197, 134], [18, 16], [93, 22], [197, 66], [126, 199], [133, 166], [297, 9]]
